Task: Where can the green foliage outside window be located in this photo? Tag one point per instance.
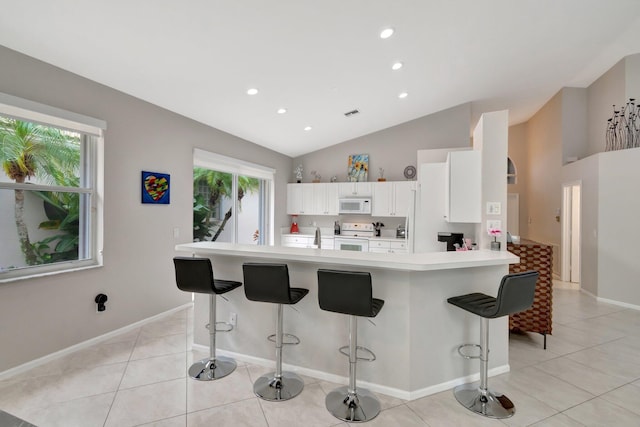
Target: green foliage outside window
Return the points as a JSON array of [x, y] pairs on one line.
[[52, 157]]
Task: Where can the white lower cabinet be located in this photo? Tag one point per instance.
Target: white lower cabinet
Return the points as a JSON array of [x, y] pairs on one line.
[[327, 243], [304, 241], [387, 246], [297, 241]]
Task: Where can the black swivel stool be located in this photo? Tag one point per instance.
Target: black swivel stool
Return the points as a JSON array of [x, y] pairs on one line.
[[196, 275], [515, 295], [270, 283], [349, 292]]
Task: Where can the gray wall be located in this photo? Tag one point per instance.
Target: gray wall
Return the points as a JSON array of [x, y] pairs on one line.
[[606, 91], [41, 316], [518, 155], [618, 232], [574, 123], [393, 148]]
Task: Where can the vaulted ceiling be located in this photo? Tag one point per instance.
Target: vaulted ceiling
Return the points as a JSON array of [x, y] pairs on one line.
[[322, 59]]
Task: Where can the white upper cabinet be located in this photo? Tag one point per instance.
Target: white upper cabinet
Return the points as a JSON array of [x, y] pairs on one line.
[[325, 197], [300, 199], [355, 189], [294, 199], [312, 199], [464, 187], [392, 198]]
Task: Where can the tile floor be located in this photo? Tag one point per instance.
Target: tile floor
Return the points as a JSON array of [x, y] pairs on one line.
[[589, 375]]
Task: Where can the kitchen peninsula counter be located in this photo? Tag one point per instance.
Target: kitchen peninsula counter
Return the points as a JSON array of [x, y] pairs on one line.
[[415, 336], [407, 262]]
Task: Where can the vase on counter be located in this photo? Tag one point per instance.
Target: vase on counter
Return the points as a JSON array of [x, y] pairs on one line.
[[495, 245]]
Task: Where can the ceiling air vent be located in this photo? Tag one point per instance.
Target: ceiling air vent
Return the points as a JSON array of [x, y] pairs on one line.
[[351, 113]]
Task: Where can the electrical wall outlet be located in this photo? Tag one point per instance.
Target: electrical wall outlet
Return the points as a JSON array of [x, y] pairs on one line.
[[233, 319]]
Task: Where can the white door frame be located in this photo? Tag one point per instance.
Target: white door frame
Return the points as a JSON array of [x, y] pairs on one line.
[[567, 214]]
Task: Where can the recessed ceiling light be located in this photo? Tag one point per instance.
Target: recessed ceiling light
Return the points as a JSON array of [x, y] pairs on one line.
[[282, 110], [386, 33], [403, 95], [252, 91], [397, 66], [308, 128]]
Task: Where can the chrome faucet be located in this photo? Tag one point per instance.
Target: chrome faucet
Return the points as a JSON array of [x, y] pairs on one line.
[[318, 239]]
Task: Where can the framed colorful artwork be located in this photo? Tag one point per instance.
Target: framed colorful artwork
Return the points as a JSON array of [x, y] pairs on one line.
[[155, 188], [358, 169]]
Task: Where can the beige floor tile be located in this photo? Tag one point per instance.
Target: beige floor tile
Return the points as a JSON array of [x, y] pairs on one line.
[[148, 403], [104, 353], [625, 349], [523, 353], [306, 409], [581, 376], [209, 394], [397, 416], [75, 384], [170, 325], [246, 413], [558, 420], [86, 412], [598, 412], [556, 393], [154, 369], [128, 336], [443, 410], [608, 324], [158, 346], [627, 396], [608, 362], [584, 338], [179, 421]]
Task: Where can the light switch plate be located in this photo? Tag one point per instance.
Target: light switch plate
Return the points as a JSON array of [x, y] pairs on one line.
[[494, 208]]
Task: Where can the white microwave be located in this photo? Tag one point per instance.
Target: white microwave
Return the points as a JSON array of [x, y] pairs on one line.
[[355, 206]]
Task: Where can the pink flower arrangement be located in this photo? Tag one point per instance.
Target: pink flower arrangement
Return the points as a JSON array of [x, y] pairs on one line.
[[495, 232]]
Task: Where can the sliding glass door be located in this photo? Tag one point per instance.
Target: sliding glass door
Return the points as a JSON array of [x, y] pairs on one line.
[[229, 206]]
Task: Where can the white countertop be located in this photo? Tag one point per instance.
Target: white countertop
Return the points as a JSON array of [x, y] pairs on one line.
[[332, 236], [394, 261]]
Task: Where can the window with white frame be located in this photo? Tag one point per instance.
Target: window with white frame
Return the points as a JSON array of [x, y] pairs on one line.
[[50, 209]]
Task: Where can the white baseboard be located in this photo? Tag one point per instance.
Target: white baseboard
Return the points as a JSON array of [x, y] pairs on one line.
[[619, 303], [85, 344], [325, 376]]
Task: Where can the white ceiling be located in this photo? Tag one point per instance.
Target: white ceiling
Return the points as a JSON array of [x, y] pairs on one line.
[[322, 58]]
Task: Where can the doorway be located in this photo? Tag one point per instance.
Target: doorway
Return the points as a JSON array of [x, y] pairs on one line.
[[571, 204], [513, 214]]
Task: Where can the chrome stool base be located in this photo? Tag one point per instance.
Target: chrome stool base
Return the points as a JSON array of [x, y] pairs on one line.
[[268, 387], [357, 407], [490, 404], [208, 370]]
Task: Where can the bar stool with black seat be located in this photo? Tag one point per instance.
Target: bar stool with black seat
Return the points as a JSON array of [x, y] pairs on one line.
[[270, 283], [514, 295], [196, 275], [349, 292]]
